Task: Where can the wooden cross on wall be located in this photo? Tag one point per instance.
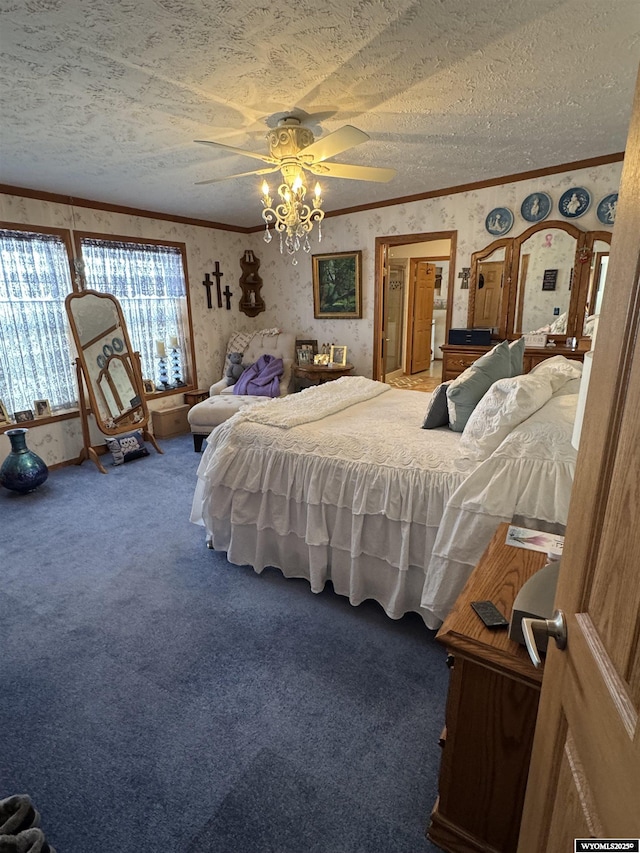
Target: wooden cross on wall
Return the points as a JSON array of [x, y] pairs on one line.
[[464, 275], [227, 295], [217, 274]]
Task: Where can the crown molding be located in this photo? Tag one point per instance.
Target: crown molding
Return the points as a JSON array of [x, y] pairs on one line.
[[603, 160]]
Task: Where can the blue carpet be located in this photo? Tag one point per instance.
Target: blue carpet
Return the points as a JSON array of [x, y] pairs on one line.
[[156, 698]]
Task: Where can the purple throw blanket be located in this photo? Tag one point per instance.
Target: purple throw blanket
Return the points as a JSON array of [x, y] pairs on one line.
[[261, 378]]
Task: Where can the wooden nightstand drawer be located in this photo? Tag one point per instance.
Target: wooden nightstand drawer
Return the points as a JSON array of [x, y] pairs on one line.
[[170, 422]]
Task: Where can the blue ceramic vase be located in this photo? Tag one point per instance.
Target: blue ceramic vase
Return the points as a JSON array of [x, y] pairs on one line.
[[22, 470]]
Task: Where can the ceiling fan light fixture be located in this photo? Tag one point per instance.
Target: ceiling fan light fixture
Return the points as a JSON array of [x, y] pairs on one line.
[[293, 151], [292, 218]]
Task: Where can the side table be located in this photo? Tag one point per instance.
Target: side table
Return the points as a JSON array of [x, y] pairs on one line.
[[491, 711], [197, 396], [317, 374]]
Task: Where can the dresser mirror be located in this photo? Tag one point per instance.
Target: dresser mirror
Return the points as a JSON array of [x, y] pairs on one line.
[[107, 368], [548, 279], [546, 261], [598, 272], [487, 310]]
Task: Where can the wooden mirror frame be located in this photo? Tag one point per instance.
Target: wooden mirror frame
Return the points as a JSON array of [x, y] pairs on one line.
[[134, 417], [512, 246]]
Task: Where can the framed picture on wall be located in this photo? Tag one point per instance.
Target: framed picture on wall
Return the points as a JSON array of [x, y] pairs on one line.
[[4, 415], [337, 286]]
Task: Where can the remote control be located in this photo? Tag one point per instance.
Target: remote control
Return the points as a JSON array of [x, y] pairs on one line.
[[490, 614]]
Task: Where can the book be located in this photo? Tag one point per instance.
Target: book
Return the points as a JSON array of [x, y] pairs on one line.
[[535, 540]]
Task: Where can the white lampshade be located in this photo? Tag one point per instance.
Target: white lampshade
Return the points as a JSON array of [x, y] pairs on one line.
[[582, 398]]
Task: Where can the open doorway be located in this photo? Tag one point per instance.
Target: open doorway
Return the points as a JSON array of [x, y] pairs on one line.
[[414, 275]]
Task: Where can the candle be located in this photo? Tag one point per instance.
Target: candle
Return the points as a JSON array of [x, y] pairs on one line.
[[160, 350], [173, 342]]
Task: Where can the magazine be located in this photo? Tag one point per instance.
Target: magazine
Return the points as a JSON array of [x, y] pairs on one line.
[[535, 540]]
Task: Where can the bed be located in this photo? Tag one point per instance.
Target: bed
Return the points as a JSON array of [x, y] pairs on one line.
[[340, 483]]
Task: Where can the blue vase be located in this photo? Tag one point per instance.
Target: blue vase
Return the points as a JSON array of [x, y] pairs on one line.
[[22, 470]]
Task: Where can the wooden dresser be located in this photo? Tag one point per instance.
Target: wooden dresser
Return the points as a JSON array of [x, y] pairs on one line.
[[456, 358], [491, 712]]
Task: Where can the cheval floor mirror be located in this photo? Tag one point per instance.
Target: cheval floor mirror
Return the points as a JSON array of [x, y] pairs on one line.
[[109, 370]]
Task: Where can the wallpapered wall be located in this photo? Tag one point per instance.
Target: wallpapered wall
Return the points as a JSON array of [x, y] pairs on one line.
[[289, 293], [287, 289]]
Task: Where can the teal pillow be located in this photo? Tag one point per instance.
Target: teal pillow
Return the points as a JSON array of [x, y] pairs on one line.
[[466, 391], [438, 412], [516, 351]]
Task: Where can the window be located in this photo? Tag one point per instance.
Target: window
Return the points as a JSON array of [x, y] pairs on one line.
[[35, 352], [148, 279]]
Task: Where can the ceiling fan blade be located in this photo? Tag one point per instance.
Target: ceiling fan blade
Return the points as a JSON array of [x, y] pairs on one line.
[[333, 143], [239, 175], [264, 157], [355, 173]]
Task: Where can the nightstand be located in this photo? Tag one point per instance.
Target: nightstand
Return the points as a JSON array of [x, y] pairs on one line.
[[491, 711], [318, 374], [197, 396]]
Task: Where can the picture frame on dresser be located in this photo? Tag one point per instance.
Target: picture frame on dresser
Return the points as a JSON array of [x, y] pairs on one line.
[[306, 351], [338, 355]]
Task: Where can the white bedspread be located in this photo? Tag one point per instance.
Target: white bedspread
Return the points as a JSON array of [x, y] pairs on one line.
[[355, 496], [357, 493]]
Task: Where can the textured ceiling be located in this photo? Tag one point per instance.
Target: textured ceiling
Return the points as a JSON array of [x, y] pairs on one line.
[[102, 99]]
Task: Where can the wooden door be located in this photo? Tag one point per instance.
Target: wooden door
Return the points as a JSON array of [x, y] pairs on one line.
[[488, 295], [423, 281], [584, 779]]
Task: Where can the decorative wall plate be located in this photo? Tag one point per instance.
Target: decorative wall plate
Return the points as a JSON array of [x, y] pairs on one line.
[[499, 221], [606, 210], [575, 202], [101, 360], [117, 344], [107, 350], [536, 207]]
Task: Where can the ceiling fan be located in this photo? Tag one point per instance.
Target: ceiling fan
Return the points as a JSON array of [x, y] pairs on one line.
[[292, 148], [293, 151]]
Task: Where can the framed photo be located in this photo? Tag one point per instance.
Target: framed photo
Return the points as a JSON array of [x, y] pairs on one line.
[[149, 386], [4, 414], [337, 286], [42, 408], [338, 355], [305, 356], [25, 415], [305, 351]]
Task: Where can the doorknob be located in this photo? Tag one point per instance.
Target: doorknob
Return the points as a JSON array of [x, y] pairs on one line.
[[555, 627]]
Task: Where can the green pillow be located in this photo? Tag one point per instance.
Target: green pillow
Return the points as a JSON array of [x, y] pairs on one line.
[[516, 351], [466, 391]]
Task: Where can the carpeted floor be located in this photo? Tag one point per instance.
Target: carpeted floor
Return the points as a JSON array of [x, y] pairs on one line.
[[156, 698]]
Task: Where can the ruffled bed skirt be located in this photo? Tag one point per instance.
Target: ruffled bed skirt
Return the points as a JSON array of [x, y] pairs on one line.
[[364, 557]]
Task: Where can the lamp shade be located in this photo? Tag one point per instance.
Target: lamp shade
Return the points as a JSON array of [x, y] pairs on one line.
[[582, 398]]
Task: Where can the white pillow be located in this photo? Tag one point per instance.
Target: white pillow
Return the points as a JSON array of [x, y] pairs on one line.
[[558, 369], [506, 404]]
